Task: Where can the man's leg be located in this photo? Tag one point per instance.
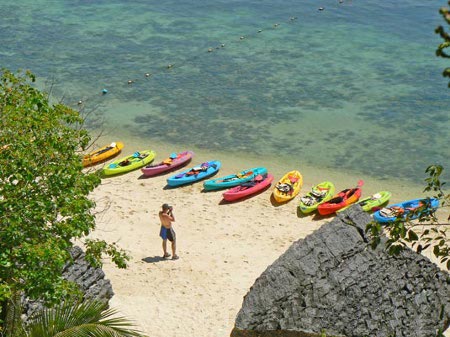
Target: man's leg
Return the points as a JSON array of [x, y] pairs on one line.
[[164, 246], [174, 249]]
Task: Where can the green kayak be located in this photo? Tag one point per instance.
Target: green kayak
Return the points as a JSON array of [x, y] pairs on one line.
[[319, 194], [129, 163], [370, 204]]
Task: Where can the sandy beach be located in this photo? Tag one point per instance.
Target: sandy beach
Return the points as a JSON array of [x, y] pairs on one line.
[[223, 248]]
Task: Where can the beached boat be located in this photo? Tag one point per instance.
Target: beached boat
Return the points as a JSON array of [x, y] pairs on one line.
[[129, 163], [102, 154], [195, 174], [288, 186], [342, 199], [174, 161], [406, 210], [319, 194], [233, 179], [372, 203], [249, 188]]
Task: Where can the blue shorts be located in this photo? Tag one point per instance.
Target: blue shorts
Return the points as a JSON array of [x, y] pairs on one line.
[[167, 233]]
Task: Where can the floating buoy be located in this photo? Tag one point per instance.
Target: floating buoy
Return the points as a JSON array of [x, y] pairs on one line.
[[130, 81], [210, 50], [242, 37], [321, 8], [222, 45], [104, 91], [276, 25], [259, 30], [80, 102], [169, 66], [147, 74]]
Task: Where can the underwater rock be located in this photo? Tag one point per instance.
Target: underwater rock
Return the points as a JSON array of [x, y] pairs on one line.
[[333, 282]]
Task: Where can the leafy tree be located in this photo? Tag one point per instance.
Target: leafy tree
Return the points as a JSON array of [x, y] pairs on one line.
[[90, 318], [441, 51], [44, 203]]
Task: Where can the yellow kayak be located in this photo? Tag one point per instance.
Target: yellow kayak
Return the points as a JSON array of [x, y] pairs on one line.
[[288, 186], [102, 154]]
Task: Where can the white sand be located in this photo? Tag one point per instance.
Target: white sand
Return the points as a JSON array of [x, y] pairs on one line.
[[223, 248]]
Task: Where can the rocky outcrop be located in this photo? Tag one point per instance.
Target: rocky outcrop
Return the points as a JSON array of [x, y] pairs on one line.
[[90, 280], [332, 282]]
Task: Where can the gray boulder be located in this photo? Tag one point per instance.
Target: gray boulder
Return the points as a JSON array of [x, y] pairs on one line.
[[333, 282], [91, 282]]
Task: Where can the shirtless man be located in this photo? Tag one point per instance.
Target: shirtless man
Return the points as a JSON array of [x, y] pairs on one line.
[[167, 233]]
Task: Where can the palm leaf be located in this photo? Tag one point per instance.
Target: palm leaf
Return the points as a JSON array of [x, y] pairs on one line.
[[89, 318]]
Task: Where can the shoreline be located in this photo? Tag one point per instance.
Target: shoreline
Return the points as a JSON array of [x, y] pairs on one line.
[[223, 247]]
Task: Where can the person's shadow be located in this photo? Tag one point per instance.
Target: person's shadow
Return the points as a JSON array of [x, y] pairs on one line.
[[153, 259]]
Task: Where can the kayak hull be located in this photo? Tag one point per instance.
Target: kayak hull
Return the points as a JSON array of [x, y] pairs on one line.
[[327, 187], [168, 164], [372, 203], [292, 178], [129, 163], [405, 210], [240, 191], [102, 154], [342, 199], [193, 175], [233, 179]]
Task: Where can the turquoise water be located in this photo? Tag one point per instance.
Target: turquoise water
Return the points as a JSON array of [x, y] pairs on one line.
[[355, 87]]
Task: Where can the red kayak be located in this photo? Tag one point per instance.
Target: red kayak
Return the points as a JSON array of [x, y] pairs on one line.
[[174, 161], [249, 188], [341, 200]]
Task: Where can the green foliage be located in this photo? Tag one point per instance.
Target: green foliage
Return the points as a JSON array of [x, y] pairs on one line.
[[90, 318], [44, 203], [441, 51], [403, 232]]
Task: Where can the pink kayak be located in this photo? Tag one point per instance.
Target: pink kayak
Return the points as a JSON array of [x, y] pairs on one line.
[[175, 160], [258, 184]]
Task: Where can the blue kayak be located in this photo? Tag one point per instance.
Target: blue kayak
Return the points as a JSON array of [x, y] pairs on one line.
[[410, 209], [194, 174], [233, 179]]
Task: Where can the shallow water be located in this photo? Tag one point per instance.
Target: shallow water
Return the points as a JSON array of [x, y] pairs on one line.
[[353, 88]]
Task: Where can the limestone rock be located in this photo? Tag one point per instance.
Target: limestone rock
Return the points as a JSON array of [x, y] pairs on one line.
[[91, 281], [332, 281]]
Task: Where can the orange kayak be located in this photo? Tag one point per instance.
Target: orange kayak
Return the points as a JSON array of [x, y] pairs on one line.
[[102, 154], [341, 200]]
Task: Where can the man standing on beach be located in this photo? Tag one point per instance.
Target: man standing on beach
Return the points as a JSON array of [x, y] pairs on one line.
[[167, 233]]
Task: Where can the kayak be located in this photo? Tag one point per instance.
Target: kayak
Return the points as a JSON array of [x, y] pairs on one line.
[[319, 194], [195, 174], [288, 186], [406, 210], [372, 203], [102, 154], [233, 179], [252, 187], [129, 163], [175, 160], [342, 199]]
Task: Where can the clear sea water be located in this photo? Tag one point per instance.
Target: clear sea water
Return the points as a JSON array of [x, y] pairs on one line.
[[355, 87]]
